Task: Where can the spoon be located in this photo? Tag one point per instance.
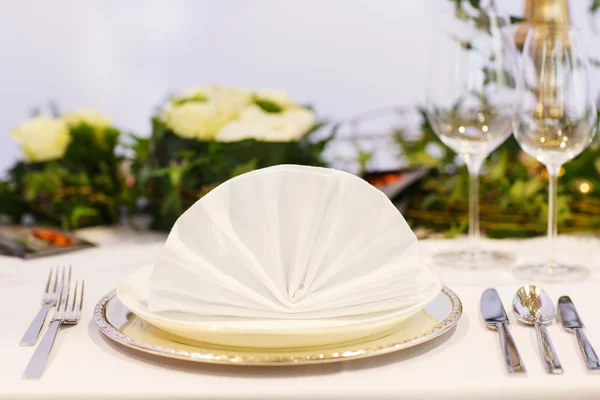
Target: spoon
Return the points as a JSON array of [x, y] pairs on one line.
[[533, 306]]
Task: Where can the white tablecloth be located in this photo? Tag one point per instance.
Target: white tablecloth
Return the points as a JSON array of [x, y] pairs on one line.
[[465, 364]]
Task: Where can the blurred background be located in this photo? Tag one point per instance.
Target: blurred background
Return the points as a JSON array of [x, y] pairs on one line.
[[123, 58], [363, 67]]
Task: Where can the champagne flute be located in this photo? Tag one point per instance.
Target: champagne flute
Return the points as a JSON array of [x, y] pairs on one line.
[[470, 105], [554, 122]]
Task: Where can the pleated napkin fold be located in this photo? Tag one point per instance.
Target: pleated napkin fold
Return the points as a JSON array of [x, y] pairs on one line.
[[289, 242]]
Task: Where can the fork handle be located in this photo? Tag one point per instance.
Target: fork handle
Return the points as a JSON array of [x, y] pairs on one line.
[[36, 365], [35, 327]]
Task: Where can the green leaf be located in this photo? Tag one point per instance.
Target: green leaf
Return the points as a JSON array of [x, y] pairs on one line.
[[474, 3], [245, 167], [196, 97], [516, 20], [532, 187], [171, 206], [429, 200], [482, 21], [268, 106], [465, 44], [457, 228], [79, 212], [363, 157]]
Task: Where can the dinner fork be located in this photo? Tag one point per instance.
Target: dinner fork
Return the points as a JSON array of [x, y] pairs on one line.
[[68, 312], [55, 279]]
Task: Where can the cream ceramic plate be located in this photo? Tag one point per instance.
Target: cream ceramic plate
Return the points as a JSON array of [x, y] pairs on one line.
[[263, 333], [124, 327]]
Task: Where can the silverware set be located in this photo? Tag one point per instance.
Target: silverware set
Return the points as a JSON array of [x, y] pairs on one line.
[[533, 306], [68, 303]]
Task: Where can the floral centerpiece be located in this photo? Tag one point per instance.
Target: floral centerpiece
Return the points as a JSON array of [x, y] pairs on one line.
[[69, 174], [208, 135]]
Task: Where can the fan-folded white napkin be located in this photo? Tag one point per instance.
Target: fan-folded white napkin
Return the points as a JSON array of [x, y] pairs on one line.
[[289, 242]]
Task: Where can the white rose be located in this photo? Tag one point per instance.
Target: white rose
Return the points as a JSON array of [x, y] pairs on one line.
[[277, 97], [301, 119], [194, 120], [204, 118], [232, 99], [42, 138], [236, 131], [88, 116], [255, 123]]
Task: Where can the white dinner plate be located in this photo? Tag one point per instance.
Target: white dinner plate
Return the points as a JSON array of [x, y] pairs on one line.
[[133, 292]]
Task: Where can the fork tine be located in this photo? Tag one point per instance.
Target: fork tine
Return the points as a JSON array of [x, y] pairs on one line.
[[51, 279], [80, 302], [73, 300], [68, 275], [65, 286], [59, 278]]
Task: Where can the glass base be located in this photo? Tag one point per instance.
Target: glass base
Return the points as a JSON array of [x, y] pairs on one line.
[[477, 259], [551, 272]]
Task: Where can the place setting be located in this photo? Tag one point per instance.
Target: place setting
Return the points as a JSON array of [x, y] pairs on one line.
[[235, 242], [263, 309]]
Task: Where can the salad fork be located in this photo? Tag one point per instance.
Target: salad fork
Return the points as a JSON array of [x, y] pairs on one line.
[[49, 300], [68, 312]]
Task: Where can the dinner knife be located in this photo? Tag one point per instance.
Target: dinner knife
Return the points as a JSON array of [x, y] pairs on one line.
[[571, 322], [495, 318]]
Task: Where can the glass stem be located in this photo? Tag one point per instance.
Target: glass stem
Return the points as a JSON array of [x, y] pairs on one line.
[[474, 165], [552, 216], [473, 206]]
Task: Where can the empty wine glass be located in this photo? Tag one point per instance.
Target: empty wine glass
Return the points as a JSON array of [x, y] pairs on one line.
[[470, 105], [555, 121]]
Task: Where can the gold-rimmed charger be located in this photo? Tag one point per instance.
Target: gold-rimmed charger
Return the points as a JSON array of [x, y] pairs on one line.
[[121, 325]]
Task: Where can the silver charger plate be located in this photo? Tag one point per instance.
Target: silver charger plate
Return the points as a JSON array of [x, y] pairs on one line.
[[121, 325]]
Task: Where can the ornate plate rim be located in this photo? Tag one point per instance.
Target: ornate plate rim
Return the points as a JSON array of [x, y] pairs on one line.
[[316, 358]]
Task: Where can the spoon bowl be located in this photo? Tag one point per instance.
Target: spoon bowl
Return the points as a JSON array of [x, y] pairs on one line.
[[532, 304]]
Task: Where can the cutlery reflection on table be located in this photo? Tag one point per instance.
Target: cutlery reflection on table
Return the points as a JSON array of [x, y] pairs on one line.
[[68, 312], [533, 306], [56, 277], [496, 319], [571, 322]]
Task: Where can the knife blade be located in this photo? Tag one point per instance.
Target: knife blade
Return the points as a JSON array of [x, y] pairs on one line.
[[567, 314], [495, 318], [492, 309], [571, 322]]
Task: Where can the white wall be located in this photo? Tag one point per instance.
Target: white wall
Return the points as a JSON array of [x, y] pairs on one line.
[[123, 56]]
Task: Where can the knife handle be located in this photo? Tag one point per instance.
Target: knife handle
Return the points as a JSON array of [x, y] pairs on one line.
[[514, 364], [549, 357], [587, 351]]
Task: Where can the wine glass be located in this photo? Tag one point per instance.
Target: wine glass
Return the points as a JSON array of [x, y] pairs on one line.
[[470, 105], [554, 122]]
